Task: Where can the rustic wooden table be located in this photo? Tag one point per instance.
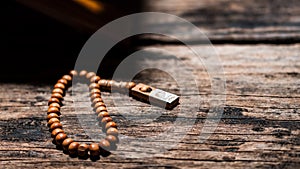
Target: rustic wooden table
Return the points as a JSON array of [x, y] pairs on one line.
[[260, 126]]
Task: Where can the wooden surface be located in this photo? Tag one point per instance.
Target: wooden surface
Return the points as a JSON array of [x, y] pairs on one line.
[[235, 21], [260, 126]]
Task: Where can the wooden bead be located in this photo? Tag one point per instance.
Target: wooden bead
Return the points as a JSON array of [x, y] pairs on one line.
[[130, 85], [55, 105], [73, 147], [60, 137], [90, 75], [123, 84], [83, 73], [58, 90], [73, 73], [53, 100], [95, 79], [57, 95], [96, 100], [94, 149], [55, 132], [62, 81], [104, 145], [100, 109], [98, 104], [60, 86], [112, 131], [66, 143], [106, 120], [115, 84], [55, 126], [52, 115], [53, 110], [93, 91], [52, 120], [112, 139], [67, 77], [102, 83], [95, 95], [103, 114], [110, 83], [94, 86], [83, 149], [110, 124]]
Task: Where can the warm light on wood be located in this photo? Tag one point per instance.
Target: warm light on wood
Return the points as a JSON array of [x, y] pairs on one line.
[[92, 5]]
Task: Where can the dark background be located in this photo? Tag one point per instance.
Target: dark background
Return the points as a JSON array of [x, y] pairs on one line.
[[39, 48]]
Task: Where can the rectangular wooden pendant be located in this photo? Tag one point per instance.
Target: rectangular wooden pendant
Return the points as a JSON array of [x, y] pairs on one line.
[[154, 96]]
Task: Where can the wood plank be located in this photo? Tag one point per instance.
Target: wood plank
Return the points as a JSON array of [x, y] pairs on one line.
[[260, 126], [233, 21]]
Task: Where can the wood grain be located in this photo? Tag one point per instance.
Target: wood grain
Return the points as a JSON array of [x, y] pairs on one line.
[[234, 21]]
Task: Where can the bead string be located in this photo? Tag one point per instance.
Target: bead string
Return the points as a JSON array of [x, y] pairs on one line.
[[108, 125]]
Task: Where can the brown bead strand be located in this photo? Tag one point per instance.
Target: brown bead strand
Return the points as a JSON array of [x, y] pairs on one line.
[[108, 126], [102, 113]]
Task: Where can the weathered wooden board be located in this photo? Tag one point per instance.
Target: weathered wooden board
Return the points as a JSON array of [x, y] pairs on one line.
[[260, 126], [235, 21]]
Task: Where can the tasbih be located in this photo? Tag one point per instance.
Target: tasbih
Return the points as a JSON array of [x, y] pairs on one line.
[[139, 91]]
